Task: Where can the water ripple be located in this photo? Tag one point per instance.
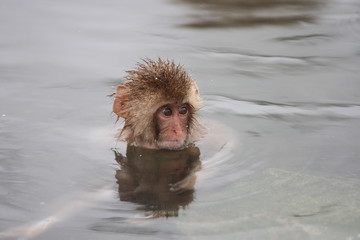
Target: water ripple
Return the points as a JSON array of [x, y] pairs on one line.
[[255, 108]]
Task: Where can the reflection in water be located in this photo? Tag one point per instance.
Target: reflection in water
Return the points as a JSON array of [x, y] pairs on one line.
[[245, 13], [161, 181]]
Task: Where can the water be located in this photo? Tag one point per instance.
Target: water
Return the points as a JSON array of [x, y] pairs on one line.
[[280, 82]]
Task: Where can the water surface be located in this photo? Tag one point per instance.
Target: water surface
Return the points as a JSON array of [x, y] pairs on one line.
[[280, 83]]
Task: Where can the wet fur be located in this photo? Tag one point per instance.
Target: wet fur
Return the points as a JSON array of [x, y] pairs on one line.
[[151, 85]]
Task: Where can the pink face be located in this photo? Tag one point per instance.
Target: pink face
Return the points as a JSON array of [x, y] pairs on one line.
[[172, 125]]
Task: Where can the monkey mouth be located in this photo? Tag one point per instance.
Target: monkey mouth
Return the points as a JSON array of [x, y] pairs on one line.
[[171, 144]]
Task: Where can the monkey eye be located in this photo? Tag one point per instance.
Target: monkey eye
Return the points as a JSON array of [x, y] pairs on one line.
[[167, 111], [183, 109]]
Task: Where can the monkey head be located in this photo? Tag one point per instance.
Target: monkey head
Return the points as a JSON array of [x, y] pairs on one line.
[[158, 101]]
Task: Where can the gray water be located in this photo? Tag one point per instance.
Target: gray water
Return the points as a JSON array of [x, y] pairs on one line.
[[280, 81]]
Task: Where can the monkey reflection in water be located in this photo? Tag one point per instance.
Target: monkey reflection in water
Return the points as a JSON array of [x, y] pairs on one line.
[[158, 101], [162, 181]]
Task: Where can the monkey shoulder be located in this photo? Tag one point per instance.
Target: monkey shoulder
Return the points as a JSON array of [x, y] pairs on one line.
[[217, 137]]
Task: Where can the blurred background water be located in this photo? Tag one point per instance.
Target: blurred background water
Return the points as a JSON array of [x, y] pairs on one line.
[[281, 75]]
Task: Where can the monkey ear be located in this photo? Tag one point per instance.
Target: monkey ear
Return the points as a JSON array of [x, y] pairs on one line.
[[195, 88], [196, 91], [119, 101]]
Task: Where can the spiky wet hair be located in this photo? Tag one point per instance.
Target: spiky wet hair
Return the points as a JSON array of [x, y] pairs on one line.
[[149, 86]]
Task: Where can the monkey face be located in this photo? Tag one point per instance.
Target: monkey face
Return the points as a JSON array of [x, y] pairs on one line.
[[172, 125]]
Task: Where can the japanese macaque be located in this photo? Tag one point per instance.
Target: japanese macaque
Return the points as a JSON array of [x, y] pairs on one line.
[[162, 181], [158, 101]]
